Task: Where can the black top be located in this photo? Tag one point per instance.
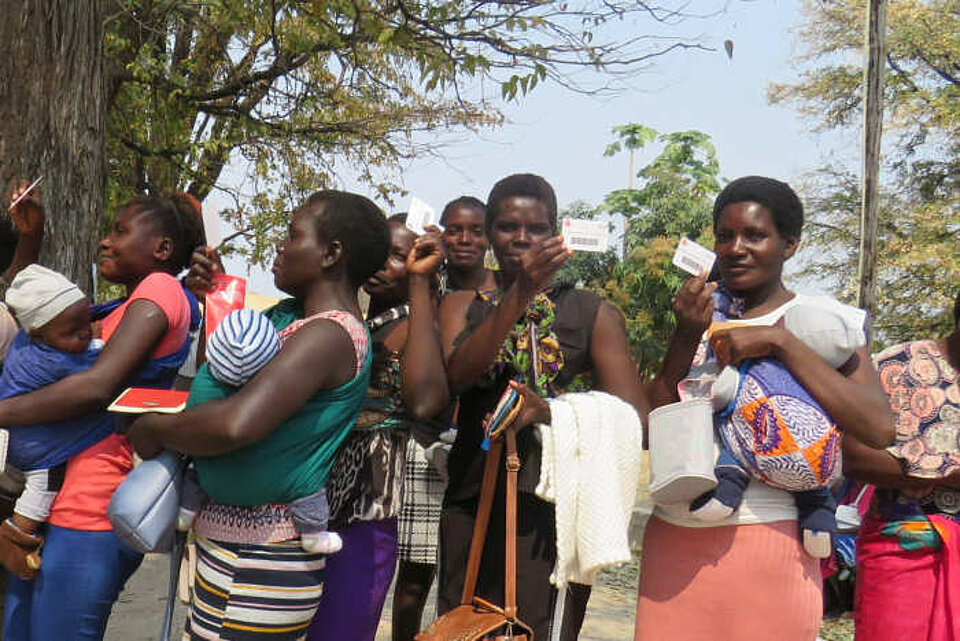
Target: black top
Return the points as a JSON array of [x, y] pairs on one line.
[[576, 313]]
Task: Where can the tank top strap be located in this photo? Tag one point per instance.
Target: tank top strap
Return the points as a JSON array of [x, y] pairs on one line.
[[354, 328]]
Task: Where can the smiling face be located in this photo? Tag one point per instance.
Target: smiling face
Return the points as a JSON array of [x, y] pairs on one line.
[[133, 248], [463, 238], [300, 256], [521, 224], [68, 331], [750, 250], [389, 284]]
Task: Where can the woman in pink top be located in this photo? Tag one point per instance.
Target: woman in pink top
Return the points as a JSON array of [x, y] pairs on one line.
[[84, 564]]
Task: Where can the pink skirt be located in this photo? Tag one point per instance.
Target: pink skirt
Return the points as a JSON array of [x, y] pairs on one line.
[[727, 583]]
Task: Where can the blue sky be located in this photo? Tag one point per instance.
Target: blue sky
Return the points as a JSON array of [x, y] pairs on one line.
[[561, 135]]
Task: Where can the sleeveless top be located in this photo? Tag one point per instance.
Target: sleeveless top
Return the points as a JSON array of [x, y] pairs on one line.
[[575, 313], [248, 485]]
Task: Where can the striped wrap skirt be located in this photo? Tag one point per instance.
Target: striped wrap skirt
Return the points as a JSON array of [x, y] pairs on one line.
[[246, 591]]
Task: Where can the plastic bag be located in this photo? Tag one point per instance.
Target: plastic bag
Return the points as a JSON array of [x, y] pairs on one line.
[[228, 294]]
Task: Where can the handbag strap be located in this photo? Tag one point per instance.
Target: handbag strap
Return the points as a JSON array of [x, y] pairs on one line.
[[510, 547], [484, 507]]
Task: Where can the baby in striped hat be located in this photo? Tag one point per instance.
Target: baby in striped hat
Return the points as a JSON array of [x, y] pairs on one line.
[[243, 342]]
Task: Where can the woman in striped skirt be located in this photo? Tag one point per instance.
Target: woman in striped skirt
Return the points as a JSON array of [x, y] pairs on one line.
[[277, 436]]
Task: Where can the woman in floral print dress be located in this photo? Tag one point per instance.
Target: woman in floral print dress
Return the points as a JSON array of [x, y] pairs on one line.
[[909, 545]]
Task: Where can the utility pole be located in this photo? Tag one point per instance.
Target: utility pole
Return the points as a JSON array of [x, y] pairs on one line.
[[872, 130]]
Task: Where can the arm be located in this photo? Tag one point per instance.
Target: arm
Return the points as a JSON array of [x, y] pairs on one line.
[[693, 308], [28, 216], [275, 394], [851, 396], [143, 326], [474, 356], [615, 371], [879, 468], [424, 377]]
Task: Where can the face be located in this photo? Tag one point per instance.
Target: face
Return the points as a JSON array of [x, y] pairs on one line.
[[68, 331], [750, 250], [520, 226], [300, 256], [390, 282], [463, 237], [132, 249]]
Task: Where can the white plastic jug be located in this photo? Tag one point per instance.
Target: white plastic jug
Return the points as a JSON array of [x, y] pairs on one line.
[[682, 456]]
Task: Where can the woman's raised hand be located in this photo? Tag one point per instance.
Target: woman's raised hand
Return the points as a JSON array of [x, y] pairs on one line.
[[540, 263], [426, 255], [204, 265], [694, 306], [27, 214]]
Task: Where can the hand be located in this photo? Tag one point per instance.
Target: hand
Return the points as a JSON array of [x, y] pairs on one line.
[[142, 438], [737, 344], [28, 214], [693, 305], [426, 255], [204, 265], [540, 263], [535, 409]]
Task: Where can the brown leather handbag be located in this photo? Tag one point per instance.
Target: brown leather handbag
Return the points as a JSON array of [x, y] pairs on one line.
[[476, 619]]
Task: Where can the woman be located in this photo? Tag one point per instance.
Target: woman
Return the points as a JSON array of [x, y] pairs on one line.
[[749, 572], [407, 387], [465, 242], [465, 245], [84, 564], [281, 424], [484, 336], [908, 546]]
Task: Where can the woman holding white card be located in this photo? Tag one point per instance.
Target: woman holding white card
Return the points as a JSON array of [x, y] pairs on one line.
[[730, 578], [487, 342]]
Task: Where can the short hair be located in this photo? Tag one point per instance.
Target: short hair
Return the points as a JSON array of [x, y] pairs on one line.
[[463, 201], [776, 196], [179, 218], [522, 185], [358, 224]]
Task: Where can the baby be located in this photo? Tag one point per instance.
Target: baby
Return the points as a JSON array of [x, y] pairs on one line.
[[771, 428], [238, 348], [54, 341]]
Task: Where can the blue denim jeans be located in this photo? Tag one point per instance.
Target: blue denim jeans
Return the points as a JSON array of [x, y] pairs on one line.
[[82, 575]]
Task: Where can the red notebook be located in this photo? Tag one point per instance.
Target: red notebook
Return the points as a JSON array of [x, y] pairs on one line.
[[138, 400]]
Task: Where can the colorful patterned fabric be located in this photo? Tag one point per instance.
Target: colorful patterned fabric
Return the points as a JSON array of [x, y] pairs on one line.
[[535, 327], [924, 395], [247, 592], [775, 428], [779, 432]]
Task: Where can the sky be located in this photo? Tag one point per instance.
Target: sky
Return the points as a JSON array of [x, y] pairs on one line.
[[561, 135]]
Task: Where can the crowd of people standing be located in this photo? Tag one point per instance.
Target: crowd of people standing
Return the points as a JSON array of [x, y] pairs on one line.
[[376, 410]]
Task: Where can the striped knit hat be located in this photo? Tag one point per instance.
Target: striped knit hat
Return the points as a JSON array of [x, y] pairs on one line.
[[243, 342]]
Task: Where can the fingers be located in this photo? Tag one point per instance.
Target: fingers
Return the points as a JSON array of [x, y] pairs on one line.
[[204, 265]]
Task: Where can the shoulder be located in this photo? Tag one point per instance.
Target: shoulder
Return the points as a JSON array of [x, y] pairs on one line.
[[157, 283], [458, 300], [848, 313], [578, 307]]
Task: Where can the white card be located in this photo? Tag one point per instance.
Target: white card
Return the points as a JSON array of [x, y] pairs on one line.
[[585, 235], [211, 226], [693, 258], [420, 215]]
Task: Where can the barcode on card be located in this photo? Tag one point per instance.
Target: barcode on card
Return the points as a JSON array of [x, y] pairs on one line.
[[689, 262], [583, 241]]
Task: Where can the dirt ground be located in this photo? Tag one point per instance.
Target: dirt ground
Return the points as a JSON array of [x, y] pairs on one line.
[[138, 614]]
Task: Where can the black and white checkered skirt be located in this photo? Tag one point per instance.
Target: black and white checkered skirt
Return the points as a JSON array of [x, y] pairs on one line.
[[419, 520]]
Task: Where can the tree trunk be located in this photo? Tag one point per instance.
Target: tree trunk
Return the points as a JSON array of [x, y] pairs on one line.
[[52, 116]]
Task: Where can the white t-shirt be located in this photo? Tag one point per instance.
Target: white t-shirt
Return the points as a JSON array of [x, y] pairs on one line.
[[761, 502]]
